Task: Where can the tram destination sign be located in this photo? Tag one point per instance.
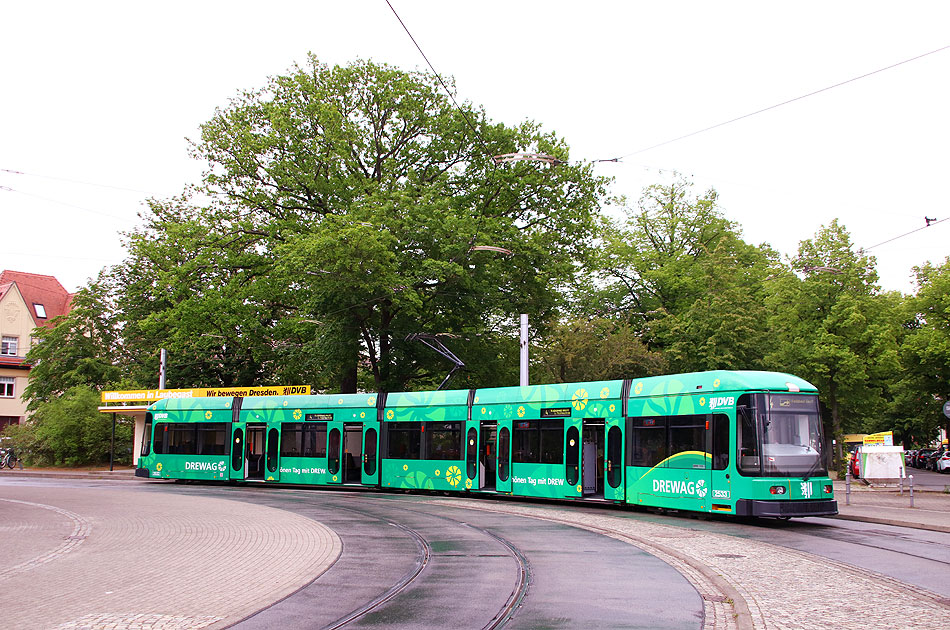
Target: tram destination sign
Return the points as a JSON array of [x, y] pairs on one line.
[[151, 395]]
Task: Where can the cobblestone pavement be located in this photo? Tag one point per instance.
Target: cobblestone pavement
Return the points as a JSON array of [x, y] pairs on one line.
[[85, 559], [751, 584], [93, 561]]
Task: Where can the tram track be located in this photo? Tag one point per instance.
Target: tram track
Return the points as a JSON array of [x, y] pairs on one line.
[[504, 614], [500, 618], [426, 551]]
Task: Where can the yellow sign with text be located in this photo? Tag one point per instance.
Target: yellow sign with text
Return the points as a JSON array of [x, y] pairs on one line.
[[885, 438], [151, 395]]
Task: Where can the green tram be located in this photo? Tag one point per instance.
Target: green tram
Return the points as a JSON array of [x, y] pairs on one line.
[[740, 443]]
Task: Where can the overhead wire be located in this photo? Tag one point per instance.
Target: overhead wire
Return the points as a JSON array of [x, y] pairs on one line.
[[891, 240], [777, 105], [77, 181]]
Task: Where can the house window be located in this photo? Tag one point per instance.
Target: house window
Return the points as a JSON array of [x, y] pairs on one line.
[[8, 346], [6, 386], [40, 310]]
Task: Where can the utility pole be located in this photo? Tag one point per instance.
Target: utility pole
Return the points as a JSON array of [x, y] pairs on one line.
[[161, 368], [524, 350]]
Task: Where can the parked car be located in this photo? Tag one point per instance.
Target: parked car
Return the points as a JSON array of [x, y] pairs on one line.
[[943, 462], [931, 463], [909, 457], [920, 458]]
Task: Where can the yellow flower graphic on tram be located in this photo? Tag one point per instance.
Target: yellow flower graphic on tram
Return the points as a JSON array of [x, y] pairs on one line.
[[158, 466], [297, 414], [454, 475], [638, 388], [521, 412], [390, 414], [207, 415], [579, 399], [605, 392], [468, 484]]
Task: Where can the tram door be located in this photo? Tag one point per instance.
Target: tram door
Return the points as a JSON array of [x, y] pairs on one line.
[[254, 463], [237, 451], [472, 473], [503, 458], [272, 452], [334, 452], [370, 475], [352, 457], [487, 451], [614, 461], [593, 465]]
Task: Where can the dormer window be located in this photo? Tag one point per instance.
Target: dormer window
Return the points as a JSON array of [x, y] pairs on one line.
[[40, 311]]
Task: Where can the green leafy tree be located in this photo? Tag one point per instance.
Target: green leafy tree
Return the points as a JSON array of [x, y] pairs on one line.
[[594, 349], [680, 272], [69, 430], [81, 348], [834, 327], [347, 207], [925, 356]]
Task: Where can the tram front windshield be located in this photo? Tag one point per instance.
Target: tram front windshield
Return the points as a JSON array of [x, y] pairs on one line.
[[787, 435]]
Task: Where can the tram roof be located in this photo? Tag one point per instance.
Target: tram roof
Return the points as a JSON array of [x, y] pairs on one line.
[[719, 380]]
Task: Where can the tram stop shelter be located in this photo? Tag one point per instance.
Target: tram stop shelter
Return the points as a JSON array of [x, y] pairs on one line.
[[137, 413], [144, 397]]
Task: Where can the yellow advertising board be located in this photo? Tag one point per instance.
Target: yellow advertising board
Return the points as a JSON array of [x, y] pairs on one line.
[[885, 438], [151, 395]]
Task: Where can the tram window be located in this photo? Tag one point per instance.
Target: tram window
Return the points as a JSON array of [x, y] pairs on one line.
[[147, 436], [747, 435], [180, 439], [237, 452], [526, 442], [552, 441], [687, 434], [471, 453], [648, 444], [573, 456], [213, 438], [405, 440], [503, 454], [158, 442], [273, 443], [443, 440], [538, 442], [291, 439], [720, 441], [315, 439], [333, 459]]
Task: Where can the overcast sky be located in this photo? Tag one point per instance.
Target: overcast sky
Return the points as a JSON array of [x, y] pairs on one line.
[[106, 93]]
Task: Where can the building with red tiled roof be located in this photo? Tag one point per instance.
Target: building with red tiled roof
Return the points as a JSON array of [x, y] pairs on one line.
[[27, 301]]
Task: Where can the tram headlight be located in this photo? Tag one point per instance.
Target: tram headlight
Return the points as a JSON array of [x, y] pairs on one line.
[[777, 489]]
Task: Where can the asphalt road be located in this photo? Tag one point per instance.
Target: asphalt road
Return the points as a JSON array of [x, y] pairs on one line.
[[411, 561], [439, 566]]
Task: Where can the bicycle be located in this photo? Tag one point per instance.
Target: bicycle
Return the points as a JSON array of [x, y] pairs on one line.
[[9, 459]]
